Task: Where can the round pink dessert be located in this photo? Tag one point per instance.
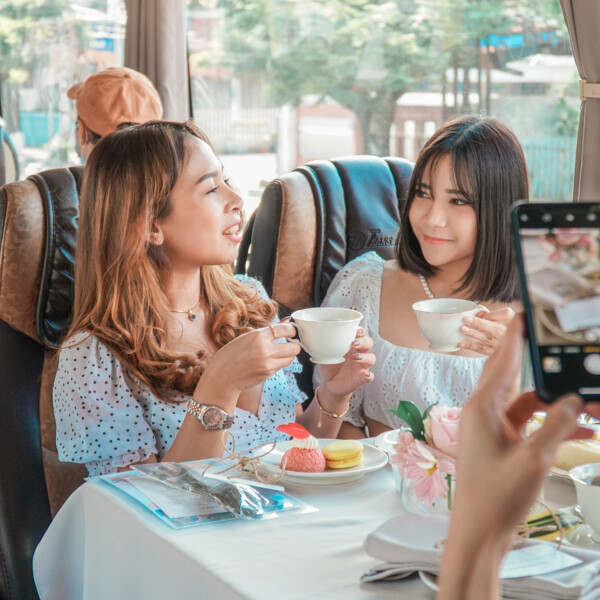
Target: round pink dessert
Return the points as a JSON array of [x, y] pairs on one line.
[[304, 460]]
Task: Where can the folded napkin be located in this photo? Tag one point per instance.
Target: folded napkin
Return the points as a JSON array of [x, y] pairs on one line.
[[411, 542]]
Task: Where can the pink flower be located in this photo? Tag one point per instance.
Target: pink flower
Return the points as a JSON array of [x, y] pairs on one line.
[[403, 443], [441, 427], [402, 447], [427, 468]]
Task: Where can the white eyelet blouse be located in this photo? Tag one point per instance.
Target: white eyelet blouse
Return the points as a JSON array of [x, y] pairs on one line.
[[107, 420], [400, 373]]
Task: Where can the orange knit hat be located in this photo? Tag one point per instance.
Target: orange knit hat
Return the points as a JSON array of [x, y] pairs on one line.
[[113, 96]]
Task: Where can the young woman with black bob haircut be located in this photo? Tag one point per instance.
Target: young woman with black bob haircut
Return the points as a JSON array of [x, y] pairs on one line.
[[454, 242], [167, 349]]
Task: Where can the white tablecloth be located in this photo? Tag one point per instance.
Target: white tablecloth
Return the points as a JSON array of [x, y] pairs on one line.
[[102, 545]]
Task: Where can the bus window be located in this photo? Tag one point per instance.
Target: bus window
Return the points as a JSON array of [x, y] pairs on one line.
[[276, 83], [45, 47]]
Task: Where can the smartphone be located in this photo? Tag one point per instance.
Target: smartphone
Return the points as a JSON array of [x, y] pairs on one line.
[[558, 257]]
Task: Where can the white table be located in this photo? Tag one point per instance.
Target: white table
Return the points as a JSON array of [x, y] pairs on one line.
[[103, 545]]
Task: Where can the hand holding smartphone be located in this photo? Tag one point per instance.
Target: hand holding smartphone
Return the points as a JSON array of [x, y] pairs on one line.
[[558, 257]]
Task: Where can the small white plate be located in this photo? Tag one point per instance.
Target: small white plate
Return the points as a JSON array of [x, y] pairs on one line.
[[387, 440], [373, 459]]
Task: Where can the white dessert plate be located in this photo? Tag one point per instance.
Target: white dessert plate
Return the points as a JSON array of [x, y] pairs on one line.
[[373, 459]]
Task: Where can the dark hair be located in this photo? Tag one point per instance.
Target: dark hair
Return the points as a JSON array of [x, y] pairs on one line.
[[490, 170]]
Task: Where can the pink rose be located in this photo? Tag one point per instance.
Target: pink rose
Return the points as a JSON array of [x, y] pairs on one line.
[[443, 428]]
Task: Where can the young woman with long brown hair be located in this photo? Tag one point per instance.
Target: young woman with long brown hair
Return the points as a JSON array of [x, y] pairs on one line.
[[167, 348]]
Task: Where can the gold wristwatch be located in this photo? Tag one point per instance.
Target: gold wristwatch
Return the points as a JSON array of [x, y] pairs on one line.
[[209, 416]]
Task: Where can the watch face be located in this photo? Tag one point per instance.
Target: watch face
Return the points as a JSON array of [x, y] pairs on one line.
[[212, 417]]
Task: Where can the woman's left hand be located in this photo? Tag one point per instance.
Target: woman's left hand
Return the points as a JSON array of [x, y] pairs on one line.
[[499, 472], [486, 329], [346, 377]]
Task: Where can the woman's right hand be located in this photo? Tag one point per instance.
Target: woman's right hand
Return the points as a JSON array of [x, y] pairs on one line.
[[241, 364], [251, 358]]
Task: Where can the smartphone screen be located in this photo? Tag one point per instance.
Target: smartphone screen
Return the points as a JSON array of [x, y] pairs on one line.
[[558, 251]]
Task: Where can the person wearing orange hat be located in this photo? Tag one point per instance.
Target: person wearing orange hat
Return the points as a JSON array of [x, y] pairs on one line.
[[108, 99]]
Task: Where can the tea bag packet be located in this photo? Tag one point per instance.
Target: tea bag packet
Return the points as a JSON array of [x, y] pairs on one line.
[[240, 499]]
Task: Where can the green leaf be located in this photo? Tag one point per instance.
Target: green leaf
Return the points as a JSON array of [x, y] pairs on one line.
[[411, 415]]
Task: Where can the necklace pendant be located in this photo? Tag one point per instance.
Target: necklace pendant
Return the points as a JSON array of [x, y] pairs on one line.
[[191, 315]]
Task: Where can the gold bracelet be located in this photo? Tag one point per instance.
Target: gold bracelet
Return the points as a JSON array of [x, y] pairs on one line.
[[324, 410]]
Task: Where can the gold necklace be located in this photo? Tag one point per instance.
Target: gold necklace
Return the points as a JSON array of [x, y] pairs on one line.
[[189, 312]]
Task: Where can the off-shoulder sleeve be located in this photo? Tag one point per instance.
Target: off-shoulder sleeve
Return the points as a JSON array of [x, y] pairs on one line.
[[98, 420], [357, 286]]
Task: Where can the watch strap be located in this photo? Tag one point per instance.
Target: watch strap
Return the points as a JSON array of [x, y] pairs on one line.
[[199, 411]]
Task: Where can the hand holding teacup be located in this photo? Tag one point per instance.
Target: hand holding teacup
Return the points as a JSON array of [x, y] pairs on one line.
[[484, 331], [440, 321], [451, 324], [326, 333], [335, 341]]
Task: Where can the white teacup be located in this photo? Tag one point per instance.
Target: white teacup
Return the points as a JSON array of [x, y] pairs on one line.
[[587, 486], [440, 320], [326, 333]]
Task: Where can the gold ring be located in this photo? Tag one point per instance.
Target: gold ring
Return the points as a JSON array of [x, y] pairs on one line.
[[273, 331]]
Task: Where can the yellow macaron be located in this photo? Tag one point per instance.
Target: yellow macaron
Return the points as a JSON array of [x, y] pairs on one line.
[[343, 454]]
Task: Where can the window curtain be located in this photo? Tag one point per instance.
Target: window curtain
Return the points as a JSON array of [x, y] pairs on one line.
[[583, 22], [155, 44]]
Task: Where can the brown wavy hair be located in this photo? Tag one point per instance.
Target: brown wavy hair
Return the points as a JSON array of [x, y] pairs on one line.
[[120, 276]]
